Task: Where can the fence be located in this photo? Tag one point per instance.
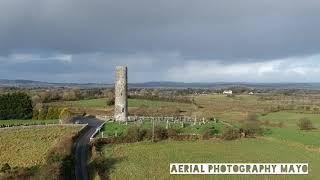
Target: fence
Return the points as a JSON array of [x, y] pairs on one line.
[[175, 119], [96, 131]]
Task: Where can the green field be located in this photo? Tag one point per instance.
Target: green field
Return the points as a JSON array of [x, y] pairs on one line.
[[26, 147], [146, 160], [152, 103], [290, 133], [101, 103], [15, 122], [290, 119], [297, 137]]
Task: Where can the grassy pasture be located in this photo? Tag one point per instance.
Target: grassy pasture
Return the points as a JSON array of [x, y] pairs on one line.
[[147, 160], [290, 119], [101, 103], [208, 106], [231, 109], [239, 103], [297, 137], [235, 109], [15, 122], [136, 106], [26, 147], [291, 132]]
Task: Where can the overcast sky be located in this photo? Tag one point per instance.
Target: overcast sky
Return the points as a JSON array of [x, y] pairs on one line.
[[162, 40]]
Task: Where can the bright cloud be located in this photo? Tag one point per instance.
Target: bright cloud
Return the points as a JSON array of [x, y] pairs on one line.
[[27, 57], [280, 70]]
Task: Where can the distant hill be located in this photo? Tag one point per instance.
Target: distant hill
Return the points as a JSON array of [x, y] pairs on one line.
[[220, 85], [163, 84], [30, 83]]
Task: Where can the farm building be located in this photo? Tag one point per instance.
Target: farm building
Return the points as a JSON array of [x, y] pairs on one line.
[[227, 92]]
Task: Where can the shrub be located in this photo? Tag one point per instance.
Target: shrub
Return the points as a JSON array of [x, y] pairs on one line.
[[280, 124], [209, 132], [100, 167], [206, 134], [43, 113], [160, 133], [231, 134], [65, 116], [187, 137], [35, 114], [51, 113], [267, 123], [134, 134], [264, 113], [213, 130], [110, 101], [252, 126], [19, 172], [100, 142], [60, 160], [172, 133], [6, 167], [142, 134], [305, 124]]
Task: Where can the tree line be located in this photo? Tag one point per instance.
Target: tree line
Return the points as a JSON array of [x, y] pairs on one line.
[[16, 105]]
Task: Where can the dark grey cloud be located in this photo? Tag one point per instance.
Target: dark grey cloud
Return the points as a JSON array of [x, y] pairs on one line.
[[207, 40], [99, 67], [92, 67], [216, 29]]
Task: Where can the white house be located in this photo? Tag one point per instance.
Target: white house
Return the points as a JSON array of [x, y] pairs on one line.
[[251, 93], [227, 92]]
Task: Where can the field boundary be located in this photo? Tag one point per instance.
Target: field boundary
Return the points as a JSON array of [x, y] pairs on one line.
[[310, 148], [40, 126], [175, 119]]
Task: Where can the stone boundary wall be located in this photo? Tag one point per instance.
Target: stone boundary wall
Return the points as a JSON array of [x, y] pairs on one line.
[[194, 120], [40, 126]]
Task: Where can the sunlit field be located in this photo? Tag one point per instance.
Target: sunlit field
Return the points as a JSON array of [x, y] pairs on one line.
[[148, 160], [286, 143], [25, 147], [28, 122], [101, 103]]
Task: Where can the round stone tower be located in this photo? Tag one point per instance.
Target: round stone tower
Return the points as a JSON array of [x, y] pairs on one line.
[[121, 100]]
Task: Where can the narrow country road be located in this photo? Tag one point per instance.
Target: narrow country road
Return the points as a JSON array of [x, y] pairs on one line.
[[81, 154]]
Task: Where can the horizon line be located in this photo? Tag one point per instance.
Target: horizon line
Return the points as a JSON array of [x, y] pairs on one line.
[[164, 81]]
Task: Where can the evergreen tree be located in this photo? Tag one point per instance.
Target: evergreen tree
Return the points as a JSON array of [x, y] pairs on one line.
[[15, 106]]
